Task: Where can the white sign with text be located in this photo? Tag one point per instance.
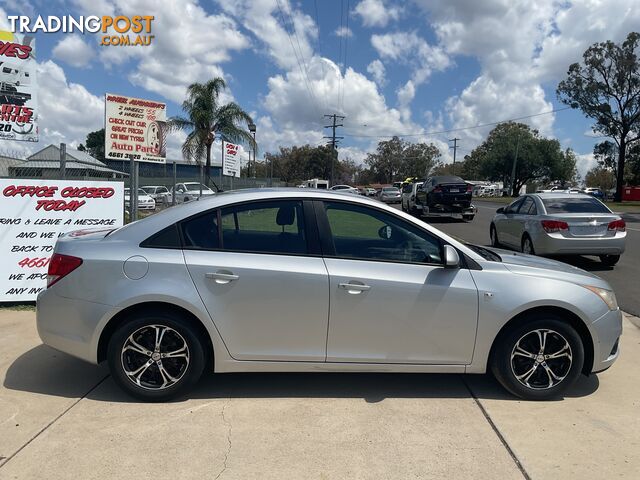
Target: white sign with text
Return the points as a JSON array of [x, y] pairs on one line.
[[34, 213]]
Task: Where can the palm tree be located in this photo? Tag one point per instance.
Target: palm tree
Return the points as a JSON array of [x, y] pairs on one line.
[[205, 118]]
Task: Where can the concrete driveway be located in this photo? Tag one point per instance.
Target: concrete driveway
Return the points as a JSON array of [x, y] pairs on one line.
[[61, 418]]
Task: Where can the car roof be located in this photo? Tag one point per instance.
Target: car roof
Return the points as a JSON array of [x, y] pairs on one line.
[[543, 195]]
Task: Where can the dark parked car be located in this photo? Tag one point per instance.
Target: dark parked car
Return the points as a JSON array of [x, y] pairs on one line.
[[447, 194]]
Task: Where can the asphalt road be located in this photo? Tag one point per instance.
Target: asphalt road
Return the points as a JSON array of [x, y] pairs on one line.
[[624, 277]]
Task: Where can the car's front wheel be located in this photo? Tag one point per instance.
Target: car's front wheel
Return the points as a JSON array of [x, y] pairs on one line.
[[155, 356], [539, 358]]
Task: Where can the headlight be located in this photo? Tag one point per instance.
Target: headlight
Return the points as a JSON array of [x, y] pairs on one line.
[[607, 296]]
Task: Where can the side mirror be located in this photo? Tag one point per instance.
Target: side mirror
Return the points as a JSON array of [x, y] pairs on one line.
[[500, 210], [451, 258]]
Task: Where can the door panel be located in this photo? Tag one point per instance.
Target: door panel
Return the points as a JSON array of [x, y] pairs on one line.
[[276, 308], [405, 313]]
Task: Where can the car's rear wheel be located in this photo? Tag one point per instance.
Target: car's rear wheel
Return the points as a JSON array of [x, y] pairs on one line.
[[609, 260], [155, 356], [527, 245], [493, 234], [539, 358]]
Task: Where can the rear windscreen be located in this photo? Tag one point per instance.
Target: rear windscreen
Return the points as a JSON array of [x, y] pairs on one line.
[[574, 205]]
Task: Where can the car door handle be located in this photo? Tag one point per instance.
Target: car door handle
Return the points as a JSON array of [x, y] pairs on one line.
[[222, 277], [354, 288]]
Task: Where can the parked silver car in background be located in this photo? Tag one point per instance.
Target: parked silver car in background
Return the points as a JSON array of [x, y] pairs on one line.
[[188, 191], [159, 193], [304, 280], [390, 195], [560, 224]]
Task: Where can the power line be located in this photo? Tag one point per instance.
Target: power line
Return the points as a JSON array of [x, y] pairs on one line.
[[340, 53], [346, 47], [303, 71], [319, 46], [424, 134]]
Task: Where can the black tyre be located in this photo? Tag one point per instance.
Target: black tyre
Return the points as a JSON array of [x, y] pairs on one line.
[[609, 260], [493, 234], [155, 356], [526, 246], [539, 358]]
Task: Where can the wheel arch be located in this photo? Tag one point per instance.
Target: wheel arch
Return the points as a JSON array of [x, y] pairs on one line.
[[125, 314], [570, 317]]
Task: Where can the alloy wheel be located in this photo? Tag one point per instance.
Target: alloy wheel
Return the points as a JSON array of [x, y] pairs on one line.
[[541, 359], [527, 246], [155, 357]]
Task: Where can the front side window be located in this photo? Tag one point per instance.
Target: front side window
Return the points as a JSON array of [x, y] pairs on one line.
[[513, 208], [368, 234], [265, 227]]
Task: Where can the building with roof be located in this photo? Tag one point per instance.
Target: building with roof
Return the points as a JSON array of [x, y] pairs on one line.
[[78, 165]]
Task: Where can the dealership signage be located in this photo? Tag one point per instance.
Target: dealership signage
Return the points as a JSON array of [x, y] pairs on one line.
[[135, 128], [231, 160], [34, 213], [18, 89]]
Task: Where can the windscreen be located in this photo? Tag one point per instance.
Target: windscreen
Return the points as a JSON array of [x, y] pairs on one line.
[[574, 205]]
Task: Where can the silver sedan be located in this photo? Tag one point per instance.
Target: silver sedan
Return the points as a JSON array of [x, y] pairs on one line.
[[304, 280], [560, 224]]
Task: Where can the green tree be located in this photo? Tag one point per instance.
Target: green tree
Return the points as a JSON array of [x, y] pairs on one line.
[[94, 145], [397, 159], [206, 117], [600, 177], [536, 158], [606, 87]]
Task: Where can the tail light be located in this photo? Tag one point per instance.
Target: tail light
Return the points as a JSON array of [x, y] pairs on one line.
[[60, 266], [469, 188], [437, 190], [618, 225], [551, 226]]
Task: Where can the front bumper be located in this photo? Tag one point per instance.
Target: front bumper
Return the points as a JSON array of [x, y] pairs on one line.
[[606, 333]]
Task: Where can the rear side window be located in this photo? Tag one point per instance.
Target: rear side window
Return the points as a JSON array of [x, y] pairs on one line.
[[201, 232], [166, 238], [265, 227], [574, 205]]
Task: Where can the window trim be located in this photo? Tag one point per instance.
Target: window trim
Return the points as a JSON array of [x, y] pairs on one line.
[[328, 248]]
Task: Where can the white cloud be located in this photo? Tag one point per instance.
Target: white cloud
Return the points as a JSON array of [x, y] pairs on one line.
[[585, 162], [378, 72], [343, 32], [279, 27], [377, 13], [410, 49], [73, 51], [190, 45]]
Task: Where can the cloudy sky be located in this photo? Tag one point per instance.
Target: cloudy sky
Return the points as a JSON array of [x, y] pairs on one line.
[[408, 68]]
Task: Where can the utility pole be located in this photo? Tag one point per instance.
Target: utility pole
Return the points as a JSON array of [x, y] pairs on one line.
[[513, 168], [334, 140], [455, 150]]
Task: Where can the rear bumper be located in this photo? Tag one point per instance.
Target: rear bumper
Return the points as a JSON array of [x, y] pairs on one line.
[[70, 325], [606, 332], [391, 199], [545, 244]]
